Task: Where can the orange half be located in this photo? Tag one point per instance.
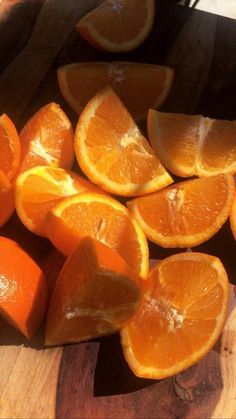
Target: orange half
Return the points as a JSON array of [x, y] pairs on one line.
[[185, 307], [9, 147]]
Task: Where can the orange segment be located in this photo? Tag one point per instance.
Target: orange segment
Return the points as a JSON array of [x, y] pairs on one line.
[[100, 217], [7, 199], [96, 294], [191, 144], [23, 289], [112, 151], [187, 213], [183, 314], [118, 25], [40, 188], [79, 82], [9, 147], [47, 139], [173, 138]]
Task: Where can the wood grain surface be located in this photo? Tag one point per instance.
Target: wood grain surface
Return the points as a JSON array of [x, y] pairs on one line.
[[92, 380]]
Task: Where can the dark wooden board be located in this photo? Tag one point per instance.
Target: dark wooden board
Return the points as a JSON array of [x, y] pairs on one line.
[[92, 380]]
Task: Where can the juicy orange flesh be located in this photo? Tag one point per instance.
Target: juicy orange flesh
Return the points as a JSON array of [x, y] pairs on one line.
[[179, 135], [106, 224], [9, 146], [179, 314], [118, 21], [123, 78], [104, 294], [219, 147], [173, 210], [117, 148], [40, 194], [46, 139], [7, 155]]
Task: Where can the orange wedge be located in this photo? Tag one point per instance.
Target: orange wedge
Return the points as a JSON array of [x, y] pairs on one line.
[[9, 147], [47, 139], [118, 25], [96, 294], [192, 144], [7, 199], [183, 314], [187, 213], [112, 151], [79, 82], [100, 217], [40, 188]]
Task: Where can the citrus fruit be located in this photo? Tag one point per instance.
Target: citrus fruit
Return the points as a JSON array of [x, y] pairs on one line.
[[96, 293], [23, 289], [187, 213], [100, 217], [118, 25], [40, 188], [7, 199], [47, 139], [112, 151], [79, 82], [9, 147], [184, 310], [233, 217], [192, 144]]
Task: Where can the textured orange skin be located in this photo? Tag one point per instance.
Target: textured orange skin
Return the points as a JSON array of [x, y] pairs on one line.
[[23, 289]]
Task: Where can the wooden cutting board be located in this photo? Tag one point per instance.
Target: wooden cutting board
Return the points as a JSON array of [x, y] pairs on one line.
[[92, 380]]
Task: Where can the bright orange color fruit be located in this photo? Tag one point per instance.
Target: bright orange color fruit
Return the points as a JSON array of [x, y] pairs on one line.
[[192, 144], [112, 151], [9, 147], [183, 314], [140, 86], [103, 218], [40, 188], [23, 289], [118, 25], [233, 217], [7, 199], [185, 214], [95, 295], [47, 139]]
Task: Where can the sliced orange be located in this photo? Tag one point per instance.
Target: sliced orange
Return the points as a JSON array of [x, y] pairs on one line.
[[185, 214], [47, 139], [40, 188], [23, 289], [9, 147], [100, 217], [233, 217], [118, 25], [183, 314], [112, 151], [79, 82], [7, 199], [95, 295], [192, 144]]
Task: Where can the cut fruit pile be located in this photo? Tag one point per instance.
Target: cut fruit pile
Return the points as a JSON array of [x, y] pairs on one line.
[[169, 317]]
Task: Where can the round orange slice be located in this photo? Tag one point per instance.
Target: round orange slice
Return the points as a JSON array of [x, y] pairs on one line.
[[100, 217], [190, 145], [185, 214], [118, 25], [79, 82], [47, 139], [40, 188], [7, 199], [183, 314], [9, 147], [112, 151]]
